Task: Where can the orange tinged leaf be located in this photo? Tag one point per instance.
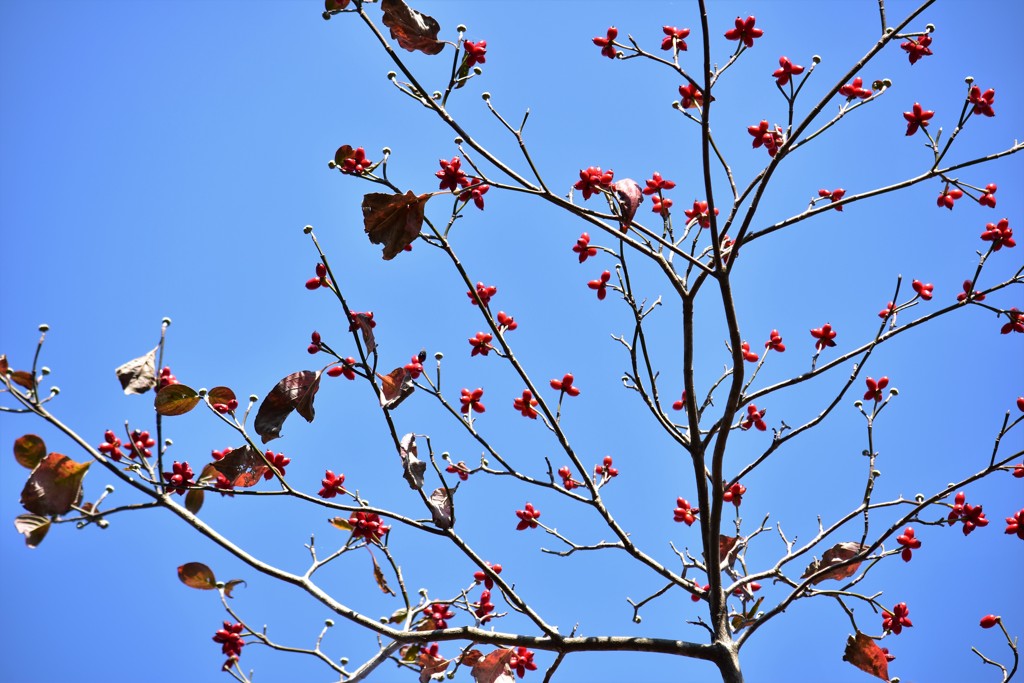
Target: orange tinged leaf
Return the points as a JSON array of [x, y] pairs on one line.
[[197, 575], [54, 485], [175, 399], [29, 450], [864, 653], [413, 30], [835, 555]]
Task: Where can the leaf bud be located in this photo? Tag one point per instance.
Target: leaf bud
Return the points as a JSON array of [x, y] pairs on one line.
[[54, 390], [929, 28], [109, 488], [166, 322], [44, 328], [326, 16], [477, 71], [436, 95], [392, 75], [858, 404], [969, 79], [816, 59], [886, 83], [202, 392], [343, 660], [253, 398], [876, 473], [459, 141], [637, 619], [894, 392], [44, 370], [461, 28], [102, 523], [168, 442], [329, 623], [386, 151], [485, 96], [309, 228], [332, 165], [919, 498], [438, 356]]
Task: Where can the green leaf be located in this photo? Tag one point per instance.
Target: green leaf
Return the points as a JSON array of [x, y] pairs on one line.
[[29, 450], [175, 399], [54, 485], [197, 575], [34, 527]]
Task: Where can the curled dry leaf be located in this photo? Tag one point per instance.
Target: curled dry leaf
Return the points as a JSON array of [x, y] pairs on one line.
[[395, 387], [838, 553], [441, 508], [413, 30], [34, 527], [725, 547], [230, 586], [29, 450], [138, 375], [243, 467], [294, 392], [393, 220], [175, 399], [54, 485], [864, 653], [629, 196], [378, 576], [413, 467], [197, 575], [4, 366], [493, 668], [365, 325]]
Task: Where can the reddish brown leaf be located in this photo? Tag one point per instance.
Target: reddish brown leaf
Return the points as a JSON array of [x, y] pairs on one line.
[[365, 325], [413, 467], [197, 575], [230, 586], [138, 375], [221, 395], [295, 390], [194, 500], [243, 467], [395, 387], [413, 30], [378, 576], [175, 399], [432, 667], [864, 653], [4, 367], [29, 450], [22, 379], [54, 485], [331, 5], [344, 152], [628, 192], [490, 669], [441, 508], [393, 220], [725, 546], [34, 527], [838, 553]]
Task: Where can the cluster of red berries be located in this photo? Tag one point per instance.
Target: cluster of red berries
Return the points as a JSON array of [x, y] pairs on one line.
[[775, 342], [565, 385], [681, 403], [684, 513], [480, 344], [179, 478], [471, 401], [583, 247], [476, 53], [368, 525], [528, 517], [874, 392], [506, 323], [356, 164], [483, 292], [770, 138], [744, 31], [484, 578], [140, 444], [982, 101], [855, 90], [346, 368], [521, 661], [1015, 524], [747, 591], [825, 336], [111, 446], [674, 38], [314, 343], [332, 485], [833, 196], [734, 494], [231, 643], [1016, 323], [567, 481], [988, 198], [786, 71], [916, 49], [460, 468], [918, 117], [228, 407], [320, 280], [999, 234], [607, 42], [525, 404], [220, 455], [989, 620], [484, 607], [656, 186], [702, 592], [969, 293], [700, 213], [601, 284], [593, 180], [166, 378], [438, 613], [923, 290], [691, 97], [970, 515], [605, 469], [948, 197], [895, 620], [357, 319], [415, 365], [451, 174], [276, 461], [748, 355], [909, 543], [754, 418]]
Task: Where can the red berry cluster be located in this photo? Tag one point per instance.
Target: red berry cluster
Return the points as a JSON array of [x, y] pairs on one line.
[[484, 607], [224, 485], [999, 234], [506, 323], [332, 485], [833, 196], [346, 368], [874, 392], [734, 494], [220, 455], [484, 292], [786, 71], [697, 597], [700, 213], [744, 31], [460, 468], [674, 38], [746, 592], [111, 446], [601, 285], [140, 445], [681, 403], [895, 620], [368, 525], [314, 343], [970, 515], [476, 53], [754, 418], [320, 280], [917, 118], [887, 311], [525, 404], [438, 613], [771, 139], [527, 517], [228, 407], [231, 643], [179, 478], [471, 401], [451, 174], [982, 101], [583, 247], [565, 385], [521, 661], [567, 481], [916, 49], [357, 318], [908, 542], [1015, 524], [825, 336], [684, 513], [475, 191], [484, 578], [607, 42], [480, 344], [855, 90], [357, 163], [948, 197], [656, 186], [748, 355], [988, 197], [593, 180], [691, 97], [775, 342], [923, 290], [1016, 323], [605, 469], [166, 378], [278, 462]]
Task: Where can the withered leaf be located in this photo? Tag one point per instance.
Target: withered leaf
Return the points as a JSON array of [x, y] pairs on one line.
[[230, 586], [138, 375], [725, 546], [243, 467], [413, 30], [54, 485], [34, 527], [294, 392], [838, 553], [175, 399], [344, 152], [441, 508], [866, 655], [22, 379], [378, 576], [365, 325], [493, 668], [29, 450], [413, 468], [197, 575], [395, 387], [4, 366], [393, 220], [629, 196]]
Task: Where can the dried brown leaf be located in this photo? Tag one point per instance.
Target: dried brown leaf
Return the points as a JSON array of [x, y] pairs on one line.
[[838, 553], [54, 485], [34, 527], [630, 196], [23, 379], [441, 508], [395, 387], [243, 467], [138, 375], [413, 468], [393, 220], [866, 655], [378, 576], [493, 668], [365, 324], [294, 392], [413, 30]]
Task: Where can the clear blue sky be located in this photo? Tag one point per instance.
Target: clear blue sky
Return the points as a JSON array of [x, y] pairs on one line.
[[160, 159]]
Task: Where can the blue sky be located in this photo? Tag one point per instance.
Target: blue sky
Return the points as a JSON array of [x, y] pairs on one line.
[[161, 160]]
